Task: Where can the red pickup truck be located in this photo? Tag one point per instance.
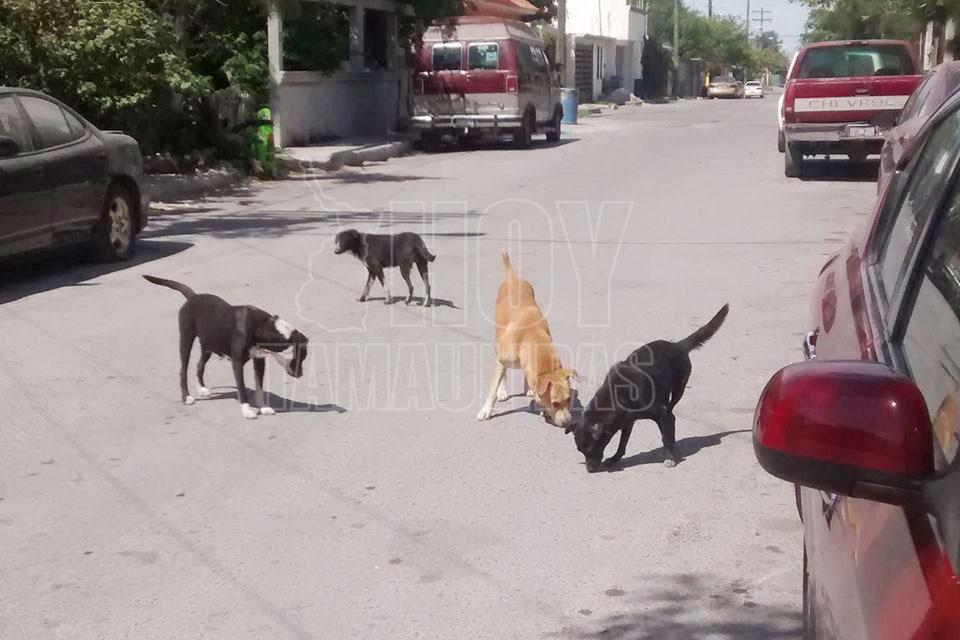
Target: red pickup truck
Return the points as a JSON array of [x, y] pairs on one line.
[[841, 97]]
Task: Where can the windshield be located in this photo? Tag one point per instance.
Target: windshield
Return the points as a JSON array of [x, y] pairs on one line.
[[856, 60]]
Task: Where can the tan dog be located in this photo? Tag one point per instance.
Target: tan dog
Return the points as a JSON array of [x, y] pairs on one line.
[[523, 341]]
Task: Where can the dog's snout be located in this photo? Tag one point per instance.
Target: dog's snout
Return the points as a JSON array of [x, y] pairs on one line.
[[563, 418]]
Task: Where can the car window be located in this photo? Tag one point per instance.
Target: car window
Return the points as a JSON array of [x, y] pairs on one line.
[[76, 126], [931, 343], [525, 59], [847, 61], [447, 56], [13, 125], [928, 174], [917, 99], [540, 59], [483, 55], [49, 121]]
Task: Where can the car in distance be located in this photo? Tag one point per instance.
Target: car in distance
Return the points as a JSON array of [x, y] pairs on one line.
[[842, 96], [753, 89], [65, 182], [724, 87], [479, 75], [938, 85], [868, 427]]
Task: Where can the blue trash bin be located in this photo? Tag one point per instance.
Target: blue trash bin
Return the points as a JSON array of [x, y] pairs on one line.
[[570, 100]]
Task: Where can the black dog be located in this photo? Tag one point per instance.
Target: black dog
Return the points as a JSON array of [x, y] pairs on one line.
[[647, 385], [379, 252], [238, 333]]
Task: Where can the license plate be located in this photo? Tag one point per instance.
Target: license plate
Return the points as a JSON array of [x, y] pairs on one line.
[[861, 132]]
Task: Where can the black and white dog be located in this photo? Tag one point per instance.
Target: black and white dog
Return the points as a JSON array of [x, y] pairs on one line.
[[379, 252], [240, 333], [647, 385]]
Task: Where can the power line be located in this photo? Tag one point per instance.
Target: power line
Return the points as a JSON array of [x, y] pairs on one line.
[[763, 19]]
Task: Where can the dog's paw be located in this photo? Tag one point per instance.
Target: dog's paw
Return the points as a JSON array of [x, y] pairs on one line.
[[268, 411], [428, 302], [362, 299], [203, 392], [502, 395], [249, 412], [188, 400], [484, 414], [669, 464], [529, 393]]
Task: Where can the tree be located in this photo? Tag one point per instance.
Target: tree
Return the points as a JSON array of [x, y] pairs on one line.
[[720, 42], [863, 19]]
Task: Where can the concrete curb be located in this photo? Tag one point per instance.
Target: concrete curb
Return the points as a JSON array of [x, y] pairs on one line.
[[346, 158], [172, 187]]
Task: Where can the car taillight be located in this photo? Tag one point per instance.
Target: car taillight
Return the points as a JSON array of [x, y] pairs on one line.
[[511, 84], [788, 97]]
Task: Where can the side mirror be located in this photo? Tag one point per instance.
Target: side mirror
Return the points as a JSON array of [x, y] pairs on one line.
[[8, 147], [860, 430]]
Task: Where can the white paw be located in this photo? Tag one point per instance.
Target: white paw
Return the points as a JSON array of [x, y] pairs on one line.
[[484, 414], [502, 394], [249, 412], [203, 392], [529, 393], [188, 400], [268, 411]]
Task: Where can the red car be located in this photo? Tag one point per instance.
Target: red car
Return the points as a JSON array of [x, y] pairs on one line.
[[936, 87], [842, 97], [868, 427]]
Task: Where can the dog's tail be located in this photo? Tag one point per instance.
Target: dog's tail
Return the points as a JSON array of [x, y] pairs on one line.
[[424, 252], [507, 265], [176, 286], [697, 339]]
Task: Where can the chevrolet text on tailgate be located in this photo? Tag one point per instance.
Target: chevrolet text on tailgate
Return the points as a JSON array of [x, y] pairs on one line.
[[842, 97]]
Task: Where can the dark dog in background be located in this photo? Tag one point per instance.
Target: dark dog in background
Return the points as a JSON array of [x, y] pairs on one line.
[[240, 333], [379, 252], [647, 385]]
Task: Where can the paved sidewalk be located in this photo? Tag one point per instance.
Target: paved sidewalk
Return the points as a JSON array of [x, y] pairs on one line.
[[343, 153]]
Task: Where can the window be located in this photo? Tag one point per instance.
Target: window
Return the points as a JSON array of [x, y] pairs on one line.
[[847, 61], [76, 126], [484, 55], [931, 343], [929, 174], [917, 99], [447, 57], [540, 59], [50, 122], [525, 59], [13, 125]]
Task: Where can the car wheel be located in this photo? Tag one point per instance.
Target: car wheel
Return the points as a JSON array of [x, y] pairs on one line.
[[809, 613], [553, 135], [523, 136], [429, 142], [781, 141], [793, 161], [116, 234], [858, 156]]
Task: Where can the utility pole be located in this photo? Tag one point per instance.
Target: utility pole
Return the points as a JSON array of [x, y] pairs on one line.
[[710, 9], [676, 32], [562, 40], [763, 19], [747, 22]]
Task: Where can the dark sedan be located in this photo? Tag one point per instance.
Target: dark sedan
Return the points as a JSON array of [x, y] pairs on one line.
[[64, 182]]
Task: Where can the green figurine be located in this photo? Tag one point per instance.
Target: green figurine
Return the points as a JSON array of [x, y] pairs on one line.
[[261, 143]]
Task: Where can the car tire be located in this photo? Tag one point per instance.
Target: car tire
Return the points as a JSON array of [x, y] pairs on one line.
[[116, 234], [553, 134], [793, 161], [809, 611], [858, 156], [781, 141], [523, 137], [429, 142]]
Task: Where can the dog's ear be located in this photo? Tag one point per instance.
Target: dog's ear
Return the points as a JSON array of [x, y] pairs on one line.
[[543, 386], [570, 427], [571, 373]]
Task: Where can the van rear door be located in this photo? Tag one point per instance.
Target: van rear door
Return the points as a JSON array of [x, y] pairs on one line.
[[467, 78]]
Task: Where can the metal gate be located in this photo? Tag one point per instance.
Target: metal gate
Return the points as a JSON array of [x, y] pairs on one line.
[[583, 72]]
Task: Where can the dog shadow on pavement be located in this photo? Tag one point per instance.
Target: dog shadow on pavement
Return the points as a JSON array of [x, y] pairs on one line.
[[685, 448], [279, 403], [417, 301]]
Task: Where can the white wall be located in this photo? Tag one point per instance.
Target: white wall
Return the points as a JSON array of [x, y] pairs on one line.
[[607, 18], [308, 105]]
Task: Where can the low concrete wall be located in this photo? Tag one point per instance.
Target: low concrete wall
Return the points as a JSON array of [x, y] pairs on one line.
[[308, 106]]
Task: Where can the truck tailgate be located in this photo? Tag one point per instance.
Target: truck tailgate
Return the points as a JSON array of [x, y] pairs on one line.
[[866, 99]]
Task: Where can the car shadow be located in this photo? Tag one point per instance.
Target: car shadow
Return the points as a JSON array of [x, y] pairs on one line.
[[822, 170], [29, 275], [685, 448]]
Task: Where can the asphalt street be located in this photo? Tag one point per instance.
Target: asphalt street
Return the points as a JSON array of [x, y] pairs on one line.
[[374, 505]]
